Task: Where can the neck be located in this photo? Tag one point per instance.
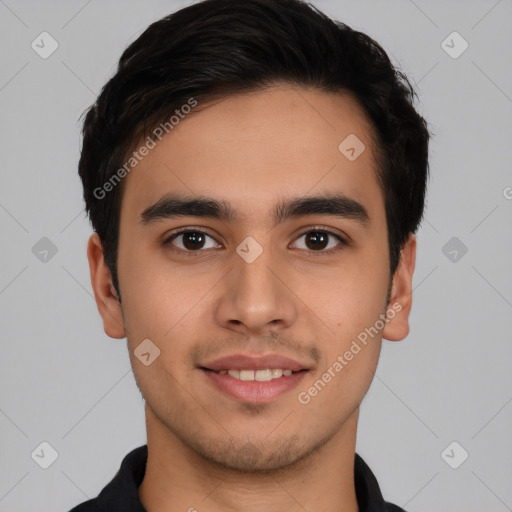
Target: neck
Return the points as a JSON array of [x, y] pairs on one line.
[[177, 478]]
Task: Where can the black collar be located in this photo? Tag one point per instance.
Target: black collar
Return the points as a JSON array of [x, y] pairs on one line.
[[121, 494]]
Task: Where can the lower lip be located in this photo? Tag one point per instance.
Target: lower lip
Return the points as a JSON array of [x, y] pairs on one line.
[[254, 391]]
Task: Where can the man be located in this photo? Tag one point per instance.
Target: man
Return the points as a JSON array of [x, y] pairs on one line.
[[254, 173]]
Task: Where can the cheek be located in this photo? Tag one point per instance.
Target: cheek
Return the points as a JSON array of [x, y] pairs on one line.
[[349, 298], [165, 305], [150, 289], [351, 354], [352, 302], [340, 386]]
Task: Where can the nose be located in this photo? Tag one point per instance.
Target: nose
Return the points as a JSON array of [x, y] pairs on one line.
[[255, 297]]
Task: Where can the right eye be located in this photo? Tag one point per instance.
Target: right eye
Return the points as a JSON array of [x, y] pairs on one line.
[[191, 240]]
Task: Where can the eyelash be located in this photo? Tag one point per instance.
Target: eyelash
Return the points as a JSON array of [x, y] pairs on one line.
[[343, 242]]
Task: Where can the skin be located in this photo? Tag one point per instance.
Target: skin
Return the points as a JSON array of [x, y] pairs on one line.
[[208, 451]]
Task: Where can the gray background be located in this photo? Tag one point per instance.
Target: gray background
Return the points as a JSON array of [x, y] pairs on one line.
[[65, 382]]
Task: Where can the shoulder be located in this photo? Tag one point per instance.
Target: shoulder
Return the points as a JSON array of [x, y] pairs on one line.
[[121, 494]]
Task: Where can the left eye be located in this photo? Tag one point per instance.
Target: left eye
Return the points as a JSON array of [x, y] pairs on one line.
[[318, 240]]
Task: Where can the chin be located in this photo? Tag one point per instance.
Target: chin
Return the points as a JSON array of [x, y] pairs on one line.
[[253, 457]]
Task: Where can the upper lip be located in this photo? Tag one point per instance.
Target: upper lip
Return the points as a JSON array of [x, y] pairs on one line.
[[243, 362]]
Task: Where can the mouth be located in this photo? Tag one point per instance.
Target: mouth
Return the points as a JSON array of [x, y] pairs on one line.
[[256, 375], [254, 379]]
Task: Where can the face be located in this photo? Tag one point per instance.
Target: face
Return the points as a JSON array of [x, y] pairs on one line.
[[283, 268]]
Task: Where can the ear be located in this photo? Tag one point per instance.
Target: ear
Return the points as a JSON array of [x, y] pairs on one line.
[[104, 291], [400, 301]]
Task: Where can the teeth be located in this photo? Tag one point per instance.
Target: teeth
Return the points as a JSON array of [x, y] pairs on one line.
[[263, 375], [246, 374], [258, 375], [234, 373]]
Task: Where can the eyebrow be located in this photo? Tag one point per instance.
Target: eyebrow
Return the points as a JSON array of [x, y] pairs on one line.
[[173, 206]]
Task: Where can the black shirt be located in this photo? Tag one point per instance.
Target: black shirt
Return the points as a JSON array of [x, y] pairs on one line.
[[121, 494]]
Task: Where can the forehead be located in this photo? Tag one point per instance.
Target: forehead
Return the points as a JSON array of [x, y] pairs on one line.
[[250, 149]]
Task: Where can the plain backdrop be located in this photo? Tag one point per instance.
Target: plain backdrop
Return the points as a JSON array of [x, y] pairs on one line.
[[64, 382]]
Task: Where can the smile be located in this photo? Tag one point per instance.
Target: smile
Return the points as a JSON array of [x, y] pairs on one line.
[[259, 375], [254, 386]]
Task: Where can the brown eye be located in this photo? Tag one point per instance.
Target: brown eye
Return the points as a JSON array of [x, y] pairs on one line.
[[319, 240], [191, 240], [316, 240]]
